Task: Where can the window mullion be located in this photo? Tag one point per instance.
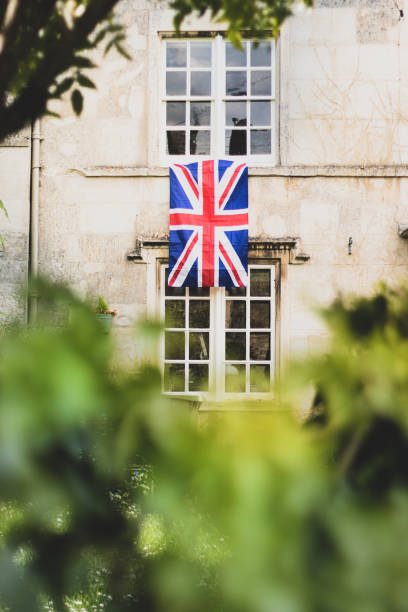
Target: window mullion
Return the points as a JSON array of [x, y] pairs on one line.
[[219, 72]]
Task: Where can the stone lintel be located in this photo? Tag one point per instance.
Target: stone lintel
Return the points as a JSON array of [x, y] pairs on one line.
[[271, 247]]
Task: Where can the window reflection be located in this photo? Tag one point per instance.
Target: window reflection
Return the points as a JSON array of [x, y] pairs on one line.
[[235, 142], [261, 53], [200, 54], [176, 83], [176, 54], [200, 113]]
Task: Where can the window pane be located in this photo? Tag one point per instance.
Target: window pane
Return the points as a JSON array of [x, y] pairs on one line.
[[200, 142], [234, 378], [200, 54], [236, 291], [175, 113], [175, 313], [261, 53], [200, 113], [176, 83], [176, 54], [176, 143], [235, 113], [174, 345], [200, 313], [235, 314], [260, 83], [260, 314], [174, 377], [235, 345], [260, 282], [260, 141], [198, 377], [199, 291], [233, 56], [236, 83], [199, 346], [260, 113], [172, 290], [260, 346], [260, 378], [235, 142], [200, 83]]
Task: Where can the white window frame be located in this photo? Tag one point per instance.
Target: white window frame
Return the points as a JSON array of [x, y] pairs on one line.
[[217, 330], [217, 100]]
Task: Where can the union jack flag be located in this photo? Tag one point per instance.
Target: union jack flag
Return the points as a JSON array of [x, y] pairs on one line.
[[208, 224]]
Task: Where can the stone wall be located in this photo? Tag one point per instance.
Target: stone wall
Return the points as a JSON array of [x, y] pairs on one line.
[[342, 149], [15, 162]]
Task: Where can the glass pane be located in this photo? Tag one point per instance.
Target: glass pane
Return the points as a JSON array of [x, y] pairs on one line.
[[234, 378], [260, 141], [175, 113], [260, 113], [260, 346], [235, 345], [200, 113], [174, 345], [200, 313], [260, 378], [261, 53], [174, 377], [199, 345], [236, 83], [176, 83], [233, 56], [176, 143], [200, 54], [235, 142], [175, 313], [198, 377], [260, 83], [236, 291], [200, 83], [176, 54], [235, 314], [199, 291], [235, 113], [260, 282], [200, 142], [260, 314], [172, 290]]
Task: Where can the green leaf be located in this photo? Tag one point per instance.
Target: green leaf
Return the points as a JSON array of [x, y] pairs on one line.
[[100, 36], [49, 113], [115, 42], [122, 51], [82, 62], [4, 209], [62, 87], [77, 101], [85, 82]]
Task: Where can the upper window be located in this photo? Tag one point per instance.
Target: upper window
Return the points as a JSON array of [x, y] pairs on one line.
[[219, 101]]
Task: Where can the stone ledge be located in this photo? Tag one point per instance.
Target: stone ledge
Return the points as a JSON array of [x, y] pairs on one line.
[[275, 171], [272, 247]]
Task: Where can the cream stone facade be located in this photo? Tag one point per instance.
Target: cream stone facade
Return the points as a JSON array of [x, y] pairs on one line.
[[339, 172]]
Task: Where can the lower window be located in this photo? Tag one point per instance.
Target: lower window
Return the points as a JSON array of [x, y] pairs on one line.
[[220, 341]]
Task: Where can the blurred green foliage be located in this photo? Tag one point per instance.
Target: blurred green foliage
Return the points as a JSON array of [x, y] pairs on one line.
[[113, 498]]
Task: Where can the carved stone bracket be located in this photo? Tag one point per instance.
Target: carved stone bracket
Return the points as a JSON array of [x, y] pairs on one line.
[[287, 247], [403, 230]]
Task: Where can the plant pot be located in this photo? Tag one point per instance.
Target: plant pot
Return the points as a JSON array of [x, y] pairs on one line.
[[105, 319]]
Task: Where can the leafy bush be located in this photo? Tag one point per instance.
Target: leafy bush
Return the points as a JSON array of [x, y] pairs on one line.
[[113, 498]]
